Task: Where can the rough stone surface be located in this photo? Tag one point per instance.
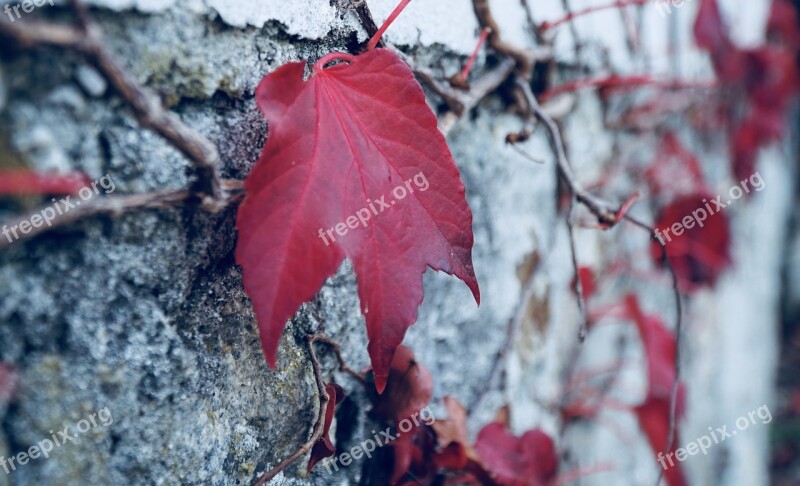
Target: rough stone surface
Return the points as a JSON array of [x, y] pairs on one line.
[[145, 314]]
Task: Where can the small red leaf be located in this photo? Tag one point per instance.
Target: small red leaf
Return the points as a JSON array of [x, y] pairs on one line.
[[654, 412], [654, 416], [409, 388], [324, 447], [354, 167], [408, 391], [659, 348], [529, 460], [701, 251], [710, 32], [451, 434], [413, 455]]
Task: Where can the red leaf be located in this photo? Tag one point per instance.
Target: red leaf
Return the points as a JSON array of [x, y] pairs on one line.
[[710, 32], [653, 417], [338, 144], [782, 23], [323, 447], [408, 391], [18, 182], [659, 348], [745, 143], [700, 253], [654, 413], [530, 460], [768, 76], [413, 453], [451, 434], [409, 388]]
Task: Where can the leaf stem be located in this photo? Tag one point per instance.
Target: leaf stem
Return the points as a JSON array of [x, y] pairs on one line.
[[329, 58], [471, 61], [626, 82], [395, 13]]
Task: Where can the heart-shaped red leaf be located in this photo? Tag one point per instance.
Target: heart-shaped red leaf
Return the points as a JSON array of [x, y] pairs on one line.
[[529, 460], [354, 167]]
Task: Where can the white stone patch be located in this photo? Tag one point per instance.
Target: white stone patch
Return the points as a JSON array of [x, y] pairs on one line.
[[311, 19], [448, 22]]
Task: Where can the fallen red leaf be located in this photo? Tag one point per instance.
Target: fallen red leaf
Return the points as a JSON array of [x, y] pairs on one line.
[[344, 148]]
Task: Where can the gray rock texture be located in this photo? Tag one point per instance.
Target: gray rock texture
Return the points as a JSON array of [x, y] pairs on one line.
[[145, 314]]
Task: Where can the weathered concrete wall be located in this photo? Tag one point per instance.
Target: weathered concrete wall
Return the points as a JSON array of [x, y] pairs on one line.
[[145, 314]]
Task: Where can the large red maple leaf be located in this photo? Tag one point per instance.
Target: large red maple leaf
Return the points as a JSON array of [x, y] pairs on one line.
[[354, 167]]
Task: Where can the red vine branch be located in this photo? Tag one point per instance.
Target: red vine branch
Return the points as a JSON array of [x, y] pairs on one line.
[[573, 15]]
